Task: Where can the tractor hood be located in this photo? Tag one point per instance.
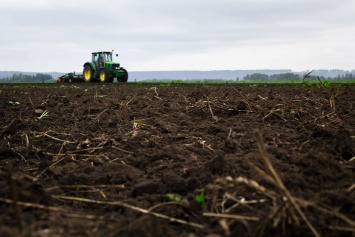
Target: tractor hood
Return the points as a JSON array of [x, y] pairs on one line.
[[112, 65]]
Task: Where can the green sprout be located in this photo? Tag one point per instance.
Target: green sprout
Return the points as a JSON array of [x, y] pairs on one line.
[[172, 197], [44, 114], [200, 198], [14, 102], [137, 124]]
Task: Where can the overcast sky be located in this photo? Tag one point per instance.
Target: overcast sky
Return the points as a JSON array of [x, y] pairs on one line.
[[59, 35]]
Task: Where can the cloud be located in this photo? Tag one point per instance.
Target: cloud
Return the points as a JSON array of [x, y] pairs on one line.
[[48, 35]]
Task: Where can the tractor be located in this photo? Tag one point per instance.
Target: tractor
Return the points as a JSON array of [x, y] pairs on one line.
[[103, 69], [100, 69]]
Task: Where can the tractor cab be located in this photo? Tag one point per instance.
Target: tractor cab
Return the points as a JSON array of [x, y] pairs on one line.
[[100, 58]]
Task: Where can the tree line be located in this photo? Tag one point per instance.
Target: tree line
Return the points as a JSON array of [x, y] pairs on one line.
[[346, 76], [23, 78], [292, 77]]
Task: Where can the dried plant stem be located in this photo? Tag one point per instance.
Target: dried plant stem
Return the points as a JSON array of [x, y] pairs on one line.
[[255, 185], [54, 138], [332, 96], [27, 141], [209, 107], [157, 95], [352, 186], [244, 98], [342, 228], [327, 211], [120, 149], [30, 99], [106, 186], [231, 216], [138, 209], [28, 204], [86, 149], [44, 170], [272, 172], [273, 111]]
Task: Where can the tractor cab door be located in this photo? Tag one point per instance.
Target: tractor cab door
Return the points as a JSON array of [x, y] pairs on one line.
[[95, 59], [101, 61]]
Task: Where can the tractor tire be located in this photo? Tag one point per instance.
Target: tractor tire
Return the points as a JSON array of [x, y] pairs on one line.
[[123, 78], [105, 75], [88, 74]]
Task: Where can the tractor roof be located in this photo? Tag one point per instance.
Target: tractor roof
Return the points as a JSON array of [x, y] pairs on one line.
[[102, 52]]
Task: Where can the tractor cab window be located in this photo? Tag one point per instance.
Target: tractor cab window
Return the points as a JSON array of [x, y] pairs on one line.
[[95, 57], [107, 57], [101, 60]]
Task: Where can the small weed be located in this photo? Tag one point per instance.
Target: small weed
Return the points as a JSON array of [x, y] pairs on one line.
[[14, 102], [200, 198], [172, 197], [70, 87], [44, 114], [137, 124]]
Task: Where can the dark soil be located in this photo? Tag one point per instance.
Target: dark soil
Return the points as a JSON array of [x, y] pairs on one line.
[[178, 160]]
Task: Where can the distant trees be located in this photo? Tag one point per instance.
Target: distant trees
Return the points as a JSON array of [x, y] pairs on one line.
[[346, 76], [22, 78], [256, 77], [292, 77], [276, 77], [285, 77]]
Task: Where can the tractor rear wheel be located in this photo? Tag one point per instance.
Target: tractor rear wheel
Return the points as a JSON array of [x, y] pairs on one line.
[[123, 78], [105, 75], [88, 74]]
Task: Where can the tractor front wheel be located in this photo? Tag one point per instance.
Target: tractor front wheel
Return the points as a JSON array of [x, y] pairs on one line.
[[123, 78], [88, 74], [105, 75]]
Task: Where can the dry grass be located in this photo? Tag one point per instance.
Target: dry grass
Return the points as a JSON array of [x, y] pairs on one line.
[[286, 209]]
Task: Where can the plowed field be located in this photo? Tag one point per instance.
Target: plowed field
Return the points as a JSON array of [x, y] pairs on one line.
[[178, 160]]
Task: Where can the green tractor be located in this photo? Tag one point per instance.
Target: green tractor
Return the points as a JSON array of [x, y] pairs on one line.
[[103, 69]]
